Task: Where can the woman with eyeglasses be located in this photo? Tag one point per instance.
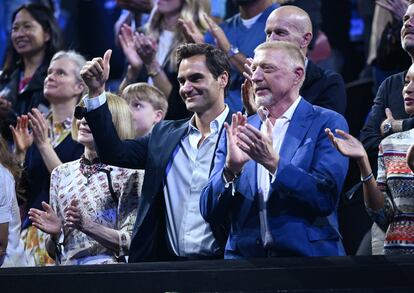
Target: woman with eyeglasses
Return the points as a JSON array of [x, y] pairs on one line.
[[93, 206], [48, 143]]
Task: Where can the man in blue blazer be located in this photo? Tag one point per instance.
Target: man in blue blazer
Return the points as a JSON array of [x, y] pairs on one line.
[[177, 157], [278, 181]]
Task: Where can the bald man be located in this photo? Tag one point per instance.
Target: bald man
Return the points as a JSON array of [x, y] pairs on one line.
[[321, 87]]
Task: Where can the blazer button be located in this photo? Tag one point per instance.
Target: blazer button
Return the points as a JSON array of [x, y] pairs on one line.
[[258, 241]]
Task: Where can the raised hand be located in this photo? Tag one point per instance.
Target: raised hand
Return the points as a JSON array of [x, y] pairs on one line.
[[95, 73], [258, 145], [396, 7], [40, 128], [75, 218], [219, 35], [46, 220], [127, 42], [191, 31], [247, 95], [146, 48], [236, 157], [346, 144], [22, 138]]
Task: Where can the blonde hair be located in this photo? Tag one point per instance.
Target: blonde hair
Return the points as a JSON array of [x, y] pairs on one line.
[[142, 91], [121, 117], [190, 10]]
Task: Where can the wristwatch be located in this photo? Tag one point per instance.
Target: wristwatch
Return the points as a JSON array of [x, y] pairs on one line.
[[387, 128], [232, 51]]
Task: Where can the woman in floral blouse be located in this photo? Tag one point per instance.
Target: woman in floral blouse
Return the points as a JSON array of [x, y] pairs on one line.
[[92, 205]]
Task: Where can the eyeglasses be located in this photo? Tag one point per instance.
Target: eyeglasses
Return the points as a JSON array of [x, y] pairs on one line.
[[80, 112]]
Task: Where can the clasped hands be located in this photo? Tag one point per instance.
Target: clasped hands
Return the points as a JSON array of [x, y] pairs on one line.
[[245, 142]]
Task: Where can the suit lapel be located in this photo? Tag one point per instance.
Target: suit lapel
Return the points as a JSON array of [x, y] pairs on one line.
[[221, 132], [298, 127], [170, 143], [248, 180]]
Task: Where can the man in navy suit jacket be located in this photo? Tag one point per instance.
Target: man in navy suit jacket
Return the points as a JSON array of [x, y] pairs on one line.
[[177, 157], [276, 176]]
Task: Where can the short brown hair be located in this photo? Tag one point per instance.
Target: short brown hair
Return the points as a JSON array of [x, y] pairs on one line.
[[144, 92], [216, 60]]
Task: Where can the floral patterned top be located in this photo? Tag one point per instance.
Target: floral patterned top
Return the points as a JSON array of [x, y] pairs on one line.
[[108, 195], [396, 181]]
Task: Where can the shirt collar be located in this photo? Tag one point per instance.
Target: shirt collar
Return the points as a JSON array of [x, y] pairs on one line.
[[286, 115], [60, 126], [215, 125]]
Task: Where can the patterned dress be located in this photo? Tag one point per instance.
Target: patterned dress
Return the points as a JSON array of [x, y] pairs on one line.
[[396, 181], [108, 195]]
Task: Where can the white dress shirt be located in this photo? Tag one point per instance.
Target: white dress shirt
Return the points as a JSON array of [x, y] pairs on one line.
[[278, 134], [187, 173]]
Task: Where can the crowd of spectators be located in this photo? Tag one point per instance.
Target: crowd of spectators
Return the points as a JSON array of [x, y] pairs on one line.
[[173, 130]]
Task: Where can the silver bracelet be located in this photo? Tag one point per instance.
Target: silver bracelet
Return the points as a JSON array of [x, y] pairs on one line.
[[367, 178]]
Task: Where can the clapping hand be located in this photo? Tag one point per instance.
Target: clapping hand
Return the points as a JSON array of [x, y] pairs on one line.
[[75, 218], [127, 41], [146, 48], [346, 144], [219, 35], [46, 220], [258, 145], [236, 157], [247, 92], [40, 128], [396, 7], [22, 138], [191, 31]]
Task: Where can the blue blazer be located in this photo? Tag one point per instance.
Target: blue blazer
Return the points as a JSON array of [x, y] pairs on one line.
[[153, 153], [303, 201]]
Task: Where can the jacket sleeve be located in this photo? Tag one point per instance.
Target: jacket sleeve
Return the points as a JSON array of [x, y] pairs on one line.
[[319, 186], [131, 153], [334, 94], [215, 197]]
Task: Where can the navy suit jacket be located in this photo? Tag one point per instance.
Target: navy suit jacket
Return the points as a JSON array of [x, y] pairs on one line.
[[152, 153], [303, 199], [324, 88]]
